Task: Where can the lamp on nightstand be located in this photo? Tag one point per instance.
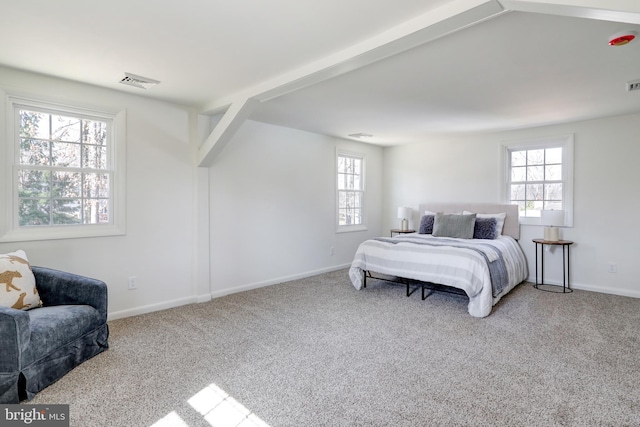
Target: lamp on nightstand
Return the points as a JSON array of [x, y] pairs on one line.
[[404, 213], [552, 219]]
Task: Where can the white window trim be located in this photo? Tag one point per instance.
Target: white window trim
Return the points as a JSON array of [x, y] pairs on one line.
[[564, 141], [9, 229], [358, 227]]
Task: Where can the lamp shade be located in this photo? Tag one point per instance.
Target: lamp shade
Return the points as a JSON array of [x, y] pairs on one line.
[[404, 212], [552, 217]]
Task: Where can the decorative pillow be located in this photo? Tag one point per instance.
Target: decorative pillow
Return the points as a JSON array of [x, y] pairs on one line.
[[499, 220], [17, 283], [485, 228], [426, 224], [452, 225]]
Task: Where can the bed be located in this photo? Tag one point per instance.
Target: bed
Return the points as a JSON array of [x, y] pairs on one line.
[[441, 256]]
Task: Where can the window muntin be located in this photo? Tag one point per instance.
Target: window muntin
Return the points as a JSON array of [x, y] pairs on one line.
[[61, 179], [536, 180], [350, 189], [539, 175], [63, 173]]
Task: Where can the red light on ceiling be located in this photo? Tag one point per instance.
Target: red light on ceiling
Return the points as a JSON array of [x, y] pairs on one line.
[[622, 40]]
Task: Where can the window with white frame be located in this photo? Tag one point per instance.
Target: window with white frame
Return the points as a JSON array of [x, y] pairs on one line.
[[65, 179], [539, 176], [350, 191]]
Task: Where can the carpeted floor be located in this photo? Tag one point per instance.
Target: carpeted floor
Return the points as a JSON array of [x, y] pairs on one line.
[[316, 352]]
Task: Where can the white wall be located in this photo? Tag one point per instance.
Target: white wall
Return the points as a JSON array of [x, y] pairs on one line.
[[158, 247], [606, 193], [264, 211], [272, 207]]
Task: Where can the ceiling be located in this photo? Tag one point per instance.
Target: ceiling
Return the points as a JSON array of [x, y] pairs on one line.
[[201, 50], [512, 70]]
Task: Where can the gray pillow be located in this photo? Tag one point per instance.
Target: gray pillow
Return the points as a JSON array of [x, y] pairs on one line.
[[426, 224], [485, 228], [452, 225]]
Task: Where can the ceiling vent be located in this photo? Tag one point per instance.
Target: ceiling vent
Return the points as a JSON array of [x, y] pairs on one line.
[[633, 85], [138, 81], [361, 135]]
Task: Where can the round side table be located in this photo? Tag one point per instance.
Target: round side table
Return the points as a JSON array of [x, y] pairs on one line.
[[566, 266]]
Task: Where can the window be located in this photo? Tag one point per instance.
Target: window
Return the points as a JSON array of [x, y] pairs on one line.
[[539, 175], [64, 180], [350, 187]]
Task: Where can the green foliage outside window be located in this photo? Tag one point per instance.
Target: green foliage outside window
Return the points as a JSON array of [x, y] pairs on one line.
[[63, 176]]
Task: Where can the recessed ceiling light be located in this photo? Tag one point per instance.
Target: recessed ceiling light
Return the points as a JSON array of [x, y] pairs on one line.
[[623, 38], [360, 135], [138, 81]]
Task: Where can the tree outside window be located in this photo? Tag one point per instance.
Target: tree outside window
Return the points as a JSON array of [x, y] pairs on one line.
[[536, 180], [539, 176], [350, 190], [63, 175]]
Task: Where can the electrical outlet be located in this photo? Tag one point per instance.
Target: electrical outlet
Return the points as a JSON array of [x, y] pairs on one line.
[[133, 282], [613, 268], [332, 251]]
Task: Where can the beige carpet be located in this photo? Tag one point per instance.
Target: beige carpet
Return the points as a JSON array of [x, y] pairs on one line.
[[316, 352]]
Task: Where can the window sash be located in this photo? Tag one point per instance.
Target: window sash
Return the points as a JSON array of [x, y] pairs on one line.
[[536, 190], [72, 138], [350, 207], [96, 204], [540, 178], [84, 192], [350, 191]]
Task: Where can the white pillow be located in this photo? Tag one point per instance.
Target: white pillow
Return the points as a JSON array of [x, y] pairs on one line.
[[499, 220], [17, 283]]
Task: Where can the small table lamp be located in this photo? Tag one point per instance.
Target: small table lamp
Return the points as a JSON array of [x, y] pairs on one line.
[[404, 213], [552, 219]]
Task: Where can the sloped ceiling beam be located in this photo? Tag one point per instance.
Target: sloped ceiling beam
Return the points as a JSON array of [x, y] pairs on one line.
[[422, 29], [627, 11], [432, 25], [234, 116]]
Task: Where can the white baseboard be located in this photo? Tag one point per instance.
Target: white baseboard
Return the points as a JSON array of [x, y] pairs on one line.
[[592, 288], [203, 298], [220, 293], [612, 291], [256, 285], [151, 308]]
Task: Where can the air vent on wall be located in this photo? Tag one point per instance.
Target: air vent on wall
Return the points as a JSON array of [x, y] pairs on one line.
[[633, 85], [138, 81]]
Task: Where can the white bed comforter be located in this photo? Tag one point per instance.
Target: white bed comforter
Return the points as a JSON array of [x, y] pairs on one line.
[[423, 257]]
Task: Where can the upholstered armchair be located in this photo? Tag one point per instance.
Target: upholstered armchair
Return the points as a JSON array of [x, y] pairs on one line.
[[40, 345]]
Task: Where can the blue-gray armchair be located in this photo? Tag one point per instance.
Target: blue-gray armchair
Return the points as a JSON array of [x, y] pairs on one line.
[[39, 346]]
